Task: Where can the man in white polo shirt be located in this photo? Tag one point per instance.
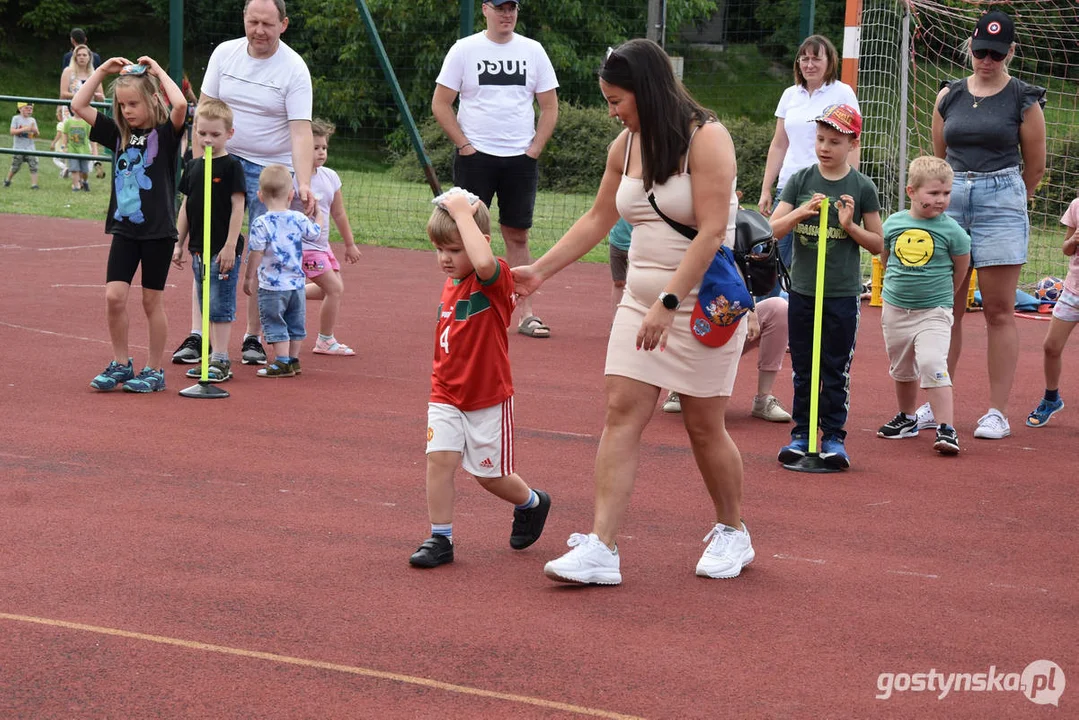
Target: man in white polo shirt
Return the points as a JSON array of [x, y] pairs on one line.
[[498, 74], [268, 87]]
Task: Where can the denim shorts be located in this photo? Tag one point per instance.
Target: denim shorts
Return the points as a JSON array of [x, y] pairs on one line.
[[992, 208], [222, 289], [79, 166], [282, 313]]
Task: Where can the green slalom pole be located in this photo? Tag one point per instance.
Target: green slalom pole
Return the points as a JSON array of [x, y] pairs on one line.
[[818, 312], [204, 389]]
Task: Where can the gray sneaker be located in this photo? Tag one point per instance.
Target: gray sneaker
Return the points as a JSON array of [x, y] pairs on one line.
[[767, 407], [252, 351], [190, 350]]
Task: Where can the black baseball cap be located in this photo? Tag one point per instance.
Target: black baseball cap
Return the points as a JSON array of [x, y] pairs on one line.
[[994, 31]]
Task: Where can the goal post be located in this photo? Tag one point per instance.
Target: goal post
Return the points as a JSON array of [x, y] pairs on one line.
[[906, 49]]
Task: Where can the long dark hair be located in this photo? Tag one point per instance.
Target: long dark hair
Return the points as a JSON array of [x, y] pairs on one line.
[[665, 110]]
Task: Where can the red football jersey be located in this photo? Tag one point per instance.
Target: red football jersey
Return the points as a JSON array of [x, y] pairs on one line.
[[472, 352]]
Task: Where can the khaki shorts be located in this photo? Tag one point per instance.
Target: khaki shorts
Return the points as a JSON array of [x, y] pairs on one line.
[[917, 342]]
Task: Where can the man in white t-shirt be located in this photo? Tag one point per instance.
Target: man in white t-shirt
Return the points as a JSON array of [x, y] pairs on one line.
[[268, 87], [498, 74]]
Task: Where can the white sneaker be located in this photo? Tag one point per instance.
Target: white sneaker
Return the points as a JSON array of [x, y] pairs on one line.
[[673, 403], [589, 562], [767, 407], [993, 426], [926, 420], [728, 552]]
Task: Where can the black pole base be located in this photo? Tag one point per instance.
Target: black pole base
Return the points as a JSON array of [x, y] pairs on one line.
[[811, 463], [204, 390]]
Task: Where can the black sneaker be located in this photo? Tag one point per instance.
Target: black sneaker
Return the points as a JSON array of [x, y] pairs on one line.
[[898, 427], [947, 440], [528, 524], [435, 550], [252, 352], [189, 352]]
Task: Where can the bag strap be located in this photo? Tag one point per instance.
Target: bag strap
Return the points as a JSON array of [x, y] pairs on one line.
[[784, 278], [686, 230]]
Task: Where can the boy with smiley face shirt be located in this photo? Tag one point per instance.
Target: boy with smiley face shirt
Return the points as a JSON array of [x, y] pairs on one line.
[[926, 255]]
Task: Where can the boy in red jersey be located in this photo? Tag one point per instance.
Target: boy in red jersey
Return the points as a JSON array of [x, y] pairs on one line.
[[470, 413]]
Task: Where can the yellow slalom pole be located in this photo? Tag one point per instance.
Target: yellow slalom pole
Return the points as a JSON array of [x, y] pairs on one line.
[[207, 189], [818, 312]]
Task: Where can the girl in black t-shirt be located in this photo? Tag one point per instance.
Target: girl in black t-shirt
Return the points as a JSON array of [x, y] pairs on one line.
[[144, 136]]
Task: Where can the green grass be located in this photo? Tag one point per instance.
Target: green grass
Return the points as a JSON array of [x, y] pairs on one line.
[[381, 211], [735, 82]]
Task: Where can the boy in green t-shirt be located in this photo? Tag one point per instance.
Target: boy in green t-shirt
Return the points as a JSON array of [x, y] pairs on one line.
[[853, 225], [926, 255], [77, 132]]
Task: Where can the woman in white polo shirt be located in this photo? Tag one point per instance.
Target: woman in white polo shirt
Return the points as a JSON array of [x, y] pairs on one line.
[[816, 86]]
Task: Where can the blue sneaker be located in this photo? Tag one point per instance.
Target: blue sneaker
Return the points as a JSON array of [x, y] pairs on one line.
[[1044, 411], [833, 453], [149, 380], [114, 375], [797, 449]]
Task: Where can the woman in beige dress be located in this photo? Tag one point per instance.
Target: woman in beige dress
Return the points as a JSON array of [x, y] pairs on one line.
[[677, 150]]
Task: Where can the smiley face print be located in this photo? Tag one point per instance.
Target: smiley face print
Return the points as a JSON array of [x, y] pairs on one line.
[[914, 247]]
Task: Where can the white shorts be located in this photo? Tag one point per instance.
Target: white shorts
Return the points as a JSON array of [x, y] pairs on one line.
[[1067, 307], [483, 437]]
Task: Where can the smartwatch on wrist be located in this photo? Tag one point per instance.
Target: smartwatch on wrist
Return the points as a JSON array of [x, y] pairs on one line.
[[669, 300]]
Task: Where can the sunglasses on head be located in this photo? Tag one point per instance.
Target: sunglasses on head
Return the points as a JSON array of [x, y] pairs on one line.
[[996, 56]]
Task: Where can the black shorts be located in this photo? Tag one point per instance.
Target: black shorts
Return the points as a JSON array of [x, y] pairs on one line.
[[619, 262], [513, 179], [126, 254]]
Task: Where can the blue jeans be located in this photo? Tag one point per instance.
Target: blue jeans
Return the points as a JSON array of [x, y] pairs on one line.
[[222, 288], [839, 329], [992, 208], [255, 208], [282, 313]]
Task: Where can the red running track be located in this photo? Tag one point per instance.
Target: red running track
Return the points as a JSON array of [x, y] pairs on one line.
[[164, 557]]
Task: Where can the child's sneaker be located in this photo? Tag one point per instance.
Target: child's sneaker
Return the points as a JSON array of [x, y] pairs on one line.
[[673, 403], [252, 352], [590, 562], [190, 350], [926, 421], [993, 426], [528, 524], [1044, 411], [767, 407], [796, 450], [332, 347], [147, 381], [216, 371], [7, 183], [729, 551], [834, 453], [115, 374], [947, 442], [435, 550], [901, 426], [277, 369]]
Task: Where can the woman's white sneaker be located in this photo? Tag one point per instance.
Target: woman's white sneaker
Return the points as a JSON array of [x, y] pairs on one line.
[[729, 550], [993, 426], [590, 562]]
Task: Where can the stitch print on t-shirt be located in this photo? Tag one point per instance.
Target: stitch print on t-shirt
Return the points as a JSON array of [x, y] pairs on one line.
[[131, 177]]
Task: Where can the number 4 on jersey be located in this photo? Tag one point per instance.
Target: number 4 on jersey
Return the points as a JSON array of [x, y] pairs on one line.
[[444, 340]]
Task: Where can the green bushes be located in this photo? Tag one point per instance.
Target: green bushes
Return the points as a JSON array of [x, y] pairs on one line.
[[573, 159], [751, 141]]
